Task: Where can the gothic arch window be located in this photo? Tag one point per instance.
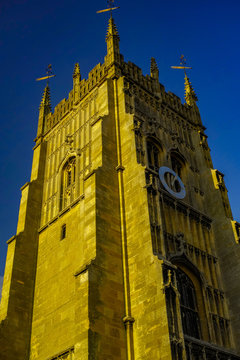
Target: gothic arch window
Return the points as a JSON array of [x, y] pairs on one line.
[[188, 304], [177, 163], [153, 155], [68, 177]]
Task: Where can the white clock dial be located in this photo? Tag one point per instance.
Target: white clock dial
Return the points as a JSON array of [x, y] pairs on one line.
[[172, 182]]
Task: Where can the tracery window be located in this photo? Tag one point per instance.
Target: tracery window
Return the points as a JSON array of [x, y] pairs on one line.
[[177, 165], [68, 183], [153, 154], [188, 304]]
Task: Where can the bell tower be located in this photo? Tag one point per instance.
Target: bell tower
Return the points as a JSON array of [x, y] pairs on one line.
[[125, 248]]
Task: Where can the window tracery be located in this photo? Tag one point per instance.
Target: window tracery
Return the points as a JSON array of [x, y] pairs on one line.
[[188, 305], [153, 155], [177, 164]]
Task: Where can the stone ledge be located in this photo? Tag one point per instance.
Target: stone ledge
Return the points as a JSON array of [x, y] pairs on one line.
[[89, 175], [14, 237], [99, 118], [25, 185], [82, 270], [120, 168]]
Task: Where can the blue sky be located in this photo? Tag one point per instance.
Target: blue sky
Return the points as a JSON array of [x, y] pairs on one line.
[[34, 33]]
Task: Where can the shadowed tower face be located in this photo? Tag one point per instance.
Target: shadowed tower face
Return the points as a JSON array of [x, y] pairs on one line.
[[125, 245]]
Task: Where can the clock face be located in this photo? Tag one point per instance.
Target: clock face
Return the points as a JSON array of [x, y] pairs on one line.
[[172, 182]]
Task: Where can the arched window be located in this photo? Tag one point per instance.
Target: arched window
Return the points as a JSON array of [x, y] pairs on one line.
[[153, 154], [68, 182], [189, 311], [177, 163]]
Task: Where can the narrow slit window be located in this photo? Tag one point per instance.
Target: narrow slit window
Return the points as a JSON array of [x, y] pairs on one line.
[[63, 232], [153, 154]]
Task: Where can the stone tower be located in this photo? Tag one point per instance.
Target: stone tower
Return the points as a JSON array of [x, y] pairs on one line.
[[125, 247]]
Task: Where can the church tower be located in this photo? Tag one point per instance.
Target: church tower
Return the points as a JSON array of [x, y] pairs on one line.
[[125, 248]]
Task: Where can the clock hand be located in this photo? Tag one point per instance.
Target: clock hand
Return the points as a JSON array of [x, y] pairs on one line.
[[175, 178]]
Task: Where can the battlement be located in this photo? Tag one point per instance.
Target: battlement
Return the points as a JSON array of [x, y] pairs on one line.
[[60, 110], [97, 73], [175, 103], [95, 76], [133, 73], [158, 90]]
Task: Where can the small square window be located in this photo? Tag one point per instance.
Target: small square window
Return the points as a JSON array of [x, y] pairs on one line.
[[63, 232]]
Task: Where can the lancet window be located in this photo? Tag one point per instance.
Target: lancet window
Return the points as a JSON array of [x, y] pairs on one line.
[[188, 304], [177, 164], [153, 154], [68, 183]]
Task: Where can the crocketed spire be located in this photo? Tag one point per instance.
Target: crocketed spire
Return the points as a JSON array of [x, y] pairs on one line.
[[112, 29], [76, 71], [76, 82], [112, 40], [44, 110], [154, 69], [46, 100], [190, 95]]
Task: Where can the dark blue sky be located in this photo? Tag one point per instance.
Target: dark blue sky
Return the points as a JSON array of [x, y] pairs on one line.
[[34, 33]]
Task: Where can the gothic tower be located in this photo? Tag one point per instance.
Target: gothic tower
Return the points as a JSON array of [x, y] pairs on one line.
[[126, 248]]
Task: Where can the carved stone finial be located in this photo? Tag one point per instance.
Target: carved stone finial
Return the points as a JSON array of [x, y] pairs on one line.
[[190, 95], [76, 71], [44, 110], [112, 40], [76, 82], [112, 29], [46, 100], [154, 69]]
